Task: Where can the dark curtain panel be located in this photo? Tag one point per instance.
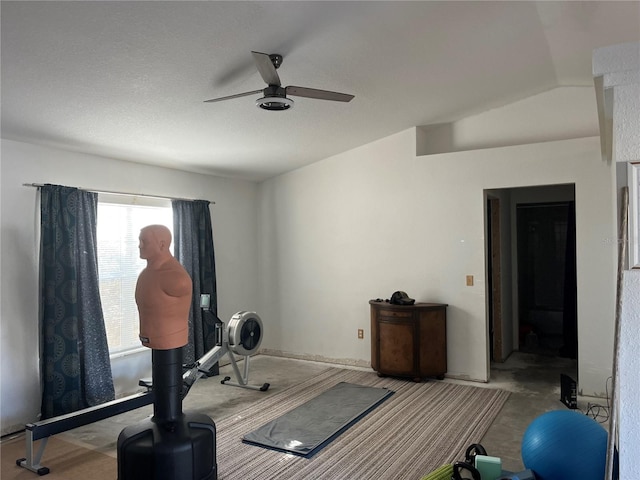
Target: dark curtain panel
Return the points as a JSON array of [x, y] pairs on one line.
[[193, 247], [76, 371]]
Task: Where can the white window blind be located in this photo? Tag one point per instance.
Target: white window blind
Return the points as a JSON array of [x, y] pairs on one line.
[[120, 219]]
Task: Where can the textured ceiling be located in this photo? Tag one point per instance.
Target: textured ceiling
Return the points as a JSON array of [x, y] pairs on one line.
[[127, 80]]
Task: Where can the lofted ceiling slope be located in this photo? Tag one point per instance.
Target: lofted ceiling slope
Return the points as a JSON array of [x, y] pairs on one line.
[[127, 80]]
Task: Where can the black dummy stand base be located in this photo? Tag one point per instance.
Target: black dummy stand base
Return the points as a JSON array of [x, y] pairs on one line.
[[185, 449], [171, 445]]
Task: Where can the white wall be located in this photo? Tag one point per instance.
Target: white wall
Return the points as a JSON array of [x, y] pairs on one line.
[[376, 219], [627, 379], [234, 221], [616, 71]]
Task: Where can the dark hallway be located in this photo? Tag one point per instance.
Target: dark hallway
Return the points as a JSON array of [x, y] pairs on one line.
[[547, 279]]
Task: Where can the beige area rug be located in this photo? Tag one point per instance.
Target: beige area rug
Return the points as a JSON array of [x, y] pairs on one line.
[[418, 429], [66, 460]]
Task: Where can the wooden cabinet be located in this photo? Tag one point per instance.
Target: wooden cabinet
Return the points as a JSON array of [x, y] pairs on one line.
[[409, 341]]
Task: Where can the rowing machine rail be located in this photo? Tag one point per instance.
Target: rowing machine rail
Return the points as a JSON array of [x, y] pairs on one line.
[[245, 331]]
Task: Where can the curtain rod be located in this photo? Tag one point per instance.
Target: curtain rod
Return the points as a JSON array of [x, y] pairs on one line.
[[38, 185]]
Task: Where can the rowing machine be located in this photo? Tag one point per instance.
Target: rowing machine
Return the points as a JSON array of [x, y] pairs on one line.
[[242, 336]]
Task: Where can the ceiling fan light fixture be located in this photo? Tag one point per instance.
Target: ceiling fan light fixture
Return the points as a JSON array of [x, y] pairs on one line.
[[274, 104]]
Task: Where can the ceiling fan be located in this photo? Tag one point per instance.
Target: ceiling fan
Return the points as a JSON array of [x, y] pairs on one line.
[[275, 95]]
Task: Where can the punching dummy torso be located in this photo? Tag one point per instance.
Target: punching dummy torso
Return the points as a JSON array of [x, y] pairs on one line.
[[163, 293]]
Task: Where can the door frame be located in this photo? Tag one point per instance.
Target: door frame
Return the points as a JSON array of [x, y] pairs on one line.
[[494, 290], [505, 233]]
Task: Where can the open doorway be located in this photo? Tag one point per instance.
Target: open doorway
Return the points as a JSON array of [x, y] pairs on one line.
[[531, 280]]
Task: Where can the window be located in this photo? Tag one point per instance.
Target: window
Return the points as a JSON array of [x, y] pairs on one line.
[[120, 219]]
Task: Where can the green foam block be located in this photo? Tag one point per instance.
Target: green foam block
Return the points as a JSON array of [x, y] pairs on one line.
[[490, 468]]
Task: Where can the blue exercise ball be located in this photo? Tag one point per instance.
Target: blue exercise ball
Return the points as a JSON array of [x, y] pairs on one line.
[[565, 445]]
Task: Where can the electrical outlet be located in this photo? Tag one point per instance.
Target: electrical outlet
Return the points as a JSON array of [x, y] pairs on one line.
[[469, 280], [360, 333]]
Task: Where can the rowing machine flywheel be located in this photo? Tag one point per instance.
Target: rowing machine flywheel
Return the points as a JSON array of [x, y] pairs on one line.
[[245, 333]]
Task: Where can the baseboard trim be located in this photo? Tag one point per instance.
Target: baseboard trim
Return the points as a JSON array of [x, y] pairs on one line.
[[351, 362]]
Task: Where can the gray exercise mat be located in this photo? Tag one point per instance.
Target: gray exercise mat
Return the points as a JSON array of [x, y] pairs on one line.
[[306, 429]]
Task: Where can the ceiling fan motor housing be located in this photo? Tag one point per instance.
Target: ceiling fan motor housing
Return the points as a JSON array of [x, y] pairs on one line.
[[275, 99]]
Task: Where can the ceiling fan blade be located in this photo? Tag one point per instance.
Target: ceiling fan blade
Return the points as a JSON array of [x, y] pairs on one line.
[[229, 97], [319, 94], [266, 68]]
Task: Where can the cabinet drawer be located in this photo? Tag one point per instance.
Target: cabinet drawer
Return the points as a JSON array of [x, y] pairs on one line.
[[395, 314]]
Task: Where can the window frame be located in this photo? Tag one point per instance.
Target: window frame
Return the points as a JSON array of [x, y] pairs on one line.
[[129, 201]]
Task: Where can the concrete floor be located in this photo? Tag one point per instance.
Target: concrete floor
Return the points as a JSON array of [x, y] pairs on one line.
[[533, 380]]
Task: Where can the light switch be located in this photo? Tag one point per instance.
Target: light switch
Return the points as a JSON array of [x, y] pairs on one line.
[[469, 280]]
